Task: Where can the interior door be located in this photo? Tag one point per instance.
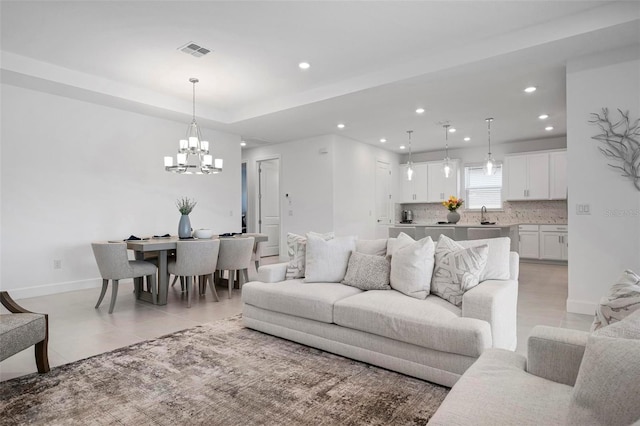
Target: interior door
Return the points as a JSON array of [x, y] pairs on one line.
[[269, 205], [383, 198]]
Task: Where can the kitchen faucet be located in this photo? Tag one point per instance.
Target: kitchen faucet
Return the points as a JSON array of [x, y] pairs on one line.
[[483, 210]]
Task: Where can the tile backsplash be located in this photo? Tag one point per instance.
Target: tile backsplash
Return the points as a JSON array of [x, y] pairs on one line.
[[540, 212]]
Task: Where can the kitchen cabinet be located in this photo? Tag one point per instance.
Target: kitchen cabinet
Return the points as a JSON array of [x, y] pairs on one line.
[[558, 175], [440, 188], [414, 190], [554, 242], [527, 176], [529, 241]]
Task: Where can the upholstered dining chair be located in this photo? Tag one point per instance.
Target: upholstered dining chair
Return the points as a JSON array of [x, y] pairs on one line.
[[114, 265], [21, 329], [394, 231], [197, 258], [435, 231], [482, 233], [235, 257]]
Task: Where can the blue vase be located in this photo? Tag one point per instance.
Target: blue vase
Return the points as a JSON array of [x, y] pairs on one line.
[[184, 227]]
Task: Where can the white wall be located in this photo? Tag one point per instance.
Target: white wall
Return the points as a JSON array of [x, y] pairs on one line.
[[606, 242], [330, 181], [75, 172]]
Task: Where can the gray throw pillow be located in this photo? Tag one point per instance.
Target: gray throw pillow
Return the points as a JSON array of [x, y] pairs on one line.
[[623, 299], [607, 389], [368, 272]]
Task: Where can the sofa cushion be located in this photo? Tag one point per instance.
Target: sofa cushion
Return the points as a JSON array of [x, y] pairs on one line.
[[496, 390], [297, 249], [623, 299], [327, 260], [377, 247], [497, 267], [295, 297], [19, 331], [412, 266], [368, 272], [431, 323], [607, 389], [457, 269]]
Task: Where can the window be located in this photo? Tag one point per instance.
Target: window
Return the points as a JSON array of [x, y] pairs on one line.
[[483, 190]]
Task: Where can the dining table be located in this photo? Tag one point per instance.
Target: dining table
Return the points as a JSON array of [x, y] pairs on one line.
[[162, 246]]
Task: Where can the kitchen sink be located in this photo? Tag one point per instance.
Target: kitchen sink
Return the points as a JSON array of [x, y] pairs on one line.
[[487, 223]]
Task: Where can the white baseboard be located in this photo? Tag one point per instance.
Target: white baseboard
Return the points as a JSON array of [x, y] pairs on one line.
[[45, 290], [581, 307]]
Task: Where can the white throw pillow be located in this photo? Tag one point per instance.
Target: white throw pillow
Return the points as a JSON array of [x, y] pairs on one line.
[[457, 269], [498, 261], [327, 260], [376, 247], [412, 266], [297, 248], [623, 299]]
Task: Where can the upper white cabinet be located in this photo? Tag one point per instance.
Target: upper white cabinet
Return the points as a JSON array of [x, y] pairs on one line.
[[527, 176], [558, 175], [414, 190], [429, 184], [439, 187]]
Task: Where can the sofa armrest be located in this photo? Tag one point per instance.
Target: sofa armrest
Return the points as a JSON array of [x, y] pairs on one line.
[[495, 301], [556, 353], [514, 265], [272, 273]]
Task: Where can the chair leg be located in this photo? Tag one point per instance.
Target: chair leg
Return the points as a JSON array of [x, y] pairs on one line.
[[105, 284], [189, 290], [232, 278], [182, 284], [175, 278], [114, 295], [212, 284], [257, 265], [151, 281], [42, 357]]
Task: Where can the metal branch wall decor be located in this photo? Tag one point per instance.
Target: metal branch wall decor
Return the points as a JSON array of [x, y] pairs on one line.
[[621, 143]]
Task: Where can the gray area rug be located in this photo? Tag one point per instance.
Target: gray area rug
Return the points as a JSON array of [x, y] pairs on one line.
[[218, 374]]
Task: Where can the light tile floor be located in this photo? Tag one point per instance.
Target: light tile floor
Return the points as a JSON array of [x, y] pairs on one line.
[[77, 330]]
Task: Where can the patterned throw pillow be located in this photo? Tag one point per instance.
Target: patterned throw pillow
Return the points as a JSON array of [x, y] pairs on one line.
[[457, 269], [368, 272], [297, 249], [623, 299]]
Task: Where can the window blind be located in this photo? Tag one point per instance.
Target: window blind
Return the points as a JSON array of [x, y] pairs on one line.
[[483, 190]]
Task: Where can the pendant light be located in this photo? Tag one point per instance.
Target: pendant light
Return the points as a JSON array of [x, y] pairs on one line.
[[489, 161], [409, 163], [193, 147], [446, 165]]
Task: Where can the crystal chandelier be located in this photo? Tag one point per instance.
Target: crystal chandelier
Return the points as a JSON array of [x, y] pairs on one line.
[[193, 147], [409, 163], [446, 164], [489, 161]]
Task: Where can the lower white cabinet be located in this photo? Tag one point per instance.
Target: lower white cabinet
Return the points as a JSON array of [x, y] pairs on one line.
[[529, 241], [554, 242]]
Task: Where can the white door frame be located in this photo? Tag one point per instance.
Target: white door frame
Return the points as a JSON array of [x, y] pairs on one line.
[[256, 195]]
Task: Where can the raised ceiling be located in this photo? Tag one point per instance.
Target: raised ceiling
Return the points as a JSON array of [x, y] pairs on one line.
[[372, 63]]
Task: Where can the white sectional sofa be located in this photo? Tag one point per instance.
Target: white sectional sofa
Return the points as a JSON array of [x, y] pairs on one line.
[[431, 339]]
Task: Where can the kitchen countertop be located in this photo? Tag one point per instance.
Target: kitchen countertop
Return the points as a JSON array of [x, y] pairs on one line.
[[459, 225]]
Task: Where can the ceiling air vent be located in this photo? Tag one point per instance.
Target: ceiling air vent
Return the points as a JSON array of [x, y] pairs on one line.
[[193, 49]]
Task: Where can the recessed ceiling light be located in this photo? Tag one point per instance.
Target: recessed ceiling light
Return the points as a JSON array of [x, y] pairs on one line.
[[452, 130], [340, 126], [530, 89], [243, 143], [402, 147], [467, 139], [383, 140], [304, 65], [543, 116], [548, 128], [420, 110]]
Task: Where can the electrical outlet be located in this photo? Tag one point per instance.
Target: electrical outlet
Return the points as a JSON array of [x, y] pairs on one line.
[[583, 209], [57, 264]]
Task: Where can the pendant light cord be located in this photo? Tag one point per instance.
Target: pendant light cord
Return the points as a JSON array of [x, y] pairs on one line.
[[489, 120], [446, 138]]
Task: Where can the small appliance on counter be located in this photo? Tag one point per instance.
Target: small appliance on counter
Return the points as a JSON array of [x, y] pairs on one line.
[[407, 216]]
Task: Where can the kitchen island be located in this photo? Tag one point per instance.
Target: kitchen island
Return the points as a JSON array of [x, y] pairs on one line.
[[460, 230]]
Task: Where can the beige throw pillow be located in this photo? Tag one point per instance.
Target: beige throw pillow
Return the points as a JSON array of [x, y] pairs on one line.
[[377, 247], [327, 260], [368, 272], [457, 269], [296, 249], [623, 299], [412, 266]]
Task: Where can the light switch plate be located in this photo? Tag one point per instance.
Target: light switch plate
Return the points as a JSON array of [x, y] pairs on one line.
[[583, 209]]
